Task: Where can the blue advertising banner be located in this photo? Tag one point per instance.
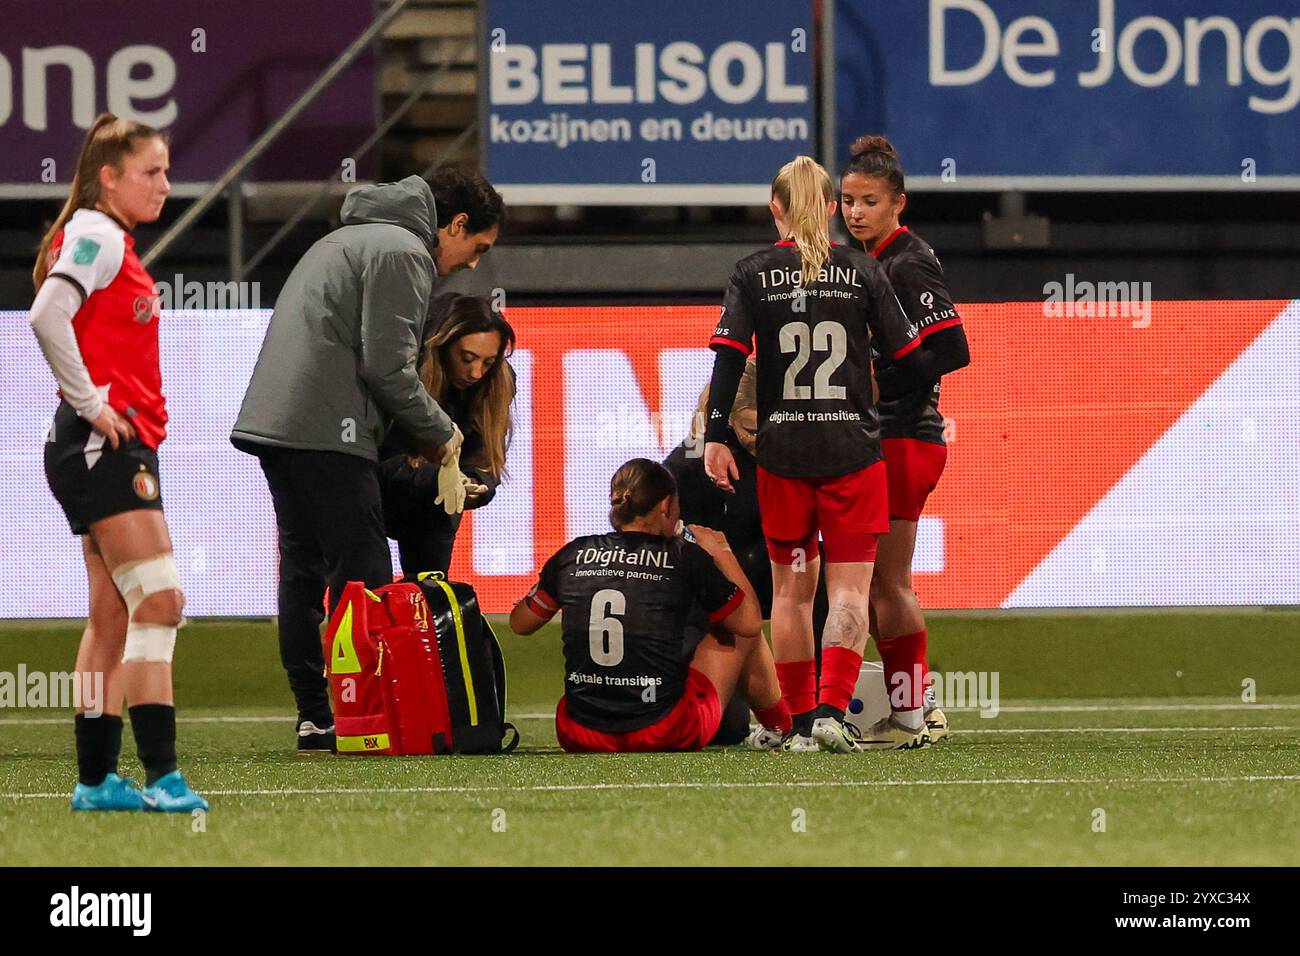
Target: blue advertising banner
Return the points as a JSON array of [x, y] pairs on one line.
[[623, 103], [1048, 94]]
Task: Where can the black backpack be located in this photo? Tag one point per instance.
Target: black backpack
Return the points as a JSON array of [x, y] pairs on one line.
[[473, 669]]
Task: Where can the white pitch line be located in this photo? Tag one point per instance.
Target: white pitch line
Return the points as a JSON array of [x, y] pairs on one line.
[[1113, 730], [1125, 708], [700, 785], [550, 715], [961, 731], [231, 719], [1064, 709]]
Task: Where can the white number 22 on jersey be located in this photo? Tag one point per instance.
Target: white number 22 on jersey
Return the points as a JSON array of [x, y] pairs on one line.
[[828, 337], [605, 629]]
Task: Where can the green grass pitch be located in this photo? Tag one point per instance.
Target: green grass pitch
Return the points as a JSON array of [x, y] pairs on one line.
[[1134, 721]]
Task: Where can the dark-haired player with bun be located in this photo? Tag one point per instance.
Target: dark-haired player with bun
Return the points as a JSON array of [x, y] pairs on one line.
[[811, 311], [628, 601], [873, 200]]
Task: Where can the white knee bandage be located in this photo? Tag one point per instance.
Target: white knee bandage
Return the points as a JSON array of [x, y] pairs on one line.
[[135, 582]]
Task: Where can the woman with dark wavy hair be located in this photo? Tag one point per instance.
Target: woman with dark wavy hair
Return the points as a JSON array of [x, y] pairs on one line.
[[464, 367]]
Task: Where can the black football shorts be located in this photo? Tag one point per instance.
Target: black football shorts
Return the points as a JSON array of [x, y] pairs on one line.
[[92, 481]]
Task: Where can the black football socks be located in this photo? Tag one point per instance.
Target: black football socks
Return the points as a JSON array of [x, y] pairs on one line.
[[99, 741], [154, 726]]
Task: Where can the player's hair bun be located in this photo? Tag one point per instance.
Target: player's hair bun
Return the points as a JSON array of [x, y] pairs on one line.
[[872, 144], [875, 157], [636, 487]]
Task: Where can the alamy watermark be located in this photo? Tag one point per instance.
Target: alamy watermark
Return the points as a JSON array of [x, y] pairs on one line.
[[52, 689], [976, 690], [133, 911], [627, 426], [177, 293], [1074, 299]]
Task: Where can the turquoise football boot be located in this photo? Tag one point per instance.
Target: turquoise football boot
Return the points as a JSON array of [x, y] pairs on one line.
[[112, 793], [171, 794]]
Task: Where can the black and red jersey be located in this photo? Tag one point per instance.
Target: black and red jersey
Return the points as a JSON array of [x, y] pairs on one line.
[[918, 281], [627, 599], [816, 417]]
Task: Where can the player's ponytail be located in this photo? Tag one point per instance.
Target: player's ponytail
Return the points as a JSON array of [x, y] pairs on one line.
[[107, 141], [875, 157], [803, 188], [636, 488]]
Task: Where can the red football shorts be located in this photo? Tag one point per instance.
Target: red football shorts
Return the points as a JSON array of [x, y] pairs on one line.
[[849, 511], [913, 468], [690, 725]]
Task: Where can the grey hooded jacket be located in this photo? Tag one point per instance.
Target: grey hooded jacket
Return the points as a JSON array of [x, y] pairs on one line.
[[338, 364]]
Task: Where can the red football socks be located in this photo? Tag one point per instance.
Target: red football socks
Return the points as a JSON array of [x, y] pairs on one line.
[[798, 681], [840, 667], [903, 658], [776, 717]]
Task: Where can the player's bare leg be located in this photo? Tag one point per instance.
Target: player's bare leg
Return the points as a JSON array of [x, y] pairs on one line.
[[794, 586], [793, 590], [722, 662], [742, 664], [99, 655], [761, 689], [844, 639], [897, 609], [136, 550], [125, 540], [901, 638], [98, 676], [758, 682]]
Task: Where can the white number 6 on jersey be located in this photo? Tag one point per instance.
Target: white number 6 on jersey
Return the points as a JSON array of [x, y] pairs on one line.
[[606, 630]]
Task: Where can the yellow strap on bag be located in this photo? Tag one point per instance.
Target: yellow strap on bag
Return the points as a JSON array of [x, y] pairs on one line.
[[441, 581]]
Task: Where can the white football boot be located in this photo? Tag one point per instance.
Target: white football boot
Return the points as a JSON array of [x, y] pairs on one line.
[[799, 744], [761, 738], [936, 721], [835, 736], [888, 734], [936, 724]]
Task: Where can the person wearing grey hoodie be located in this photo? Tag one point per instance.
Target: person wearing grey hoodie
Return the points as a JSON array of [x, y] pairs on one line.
[[337, 368]]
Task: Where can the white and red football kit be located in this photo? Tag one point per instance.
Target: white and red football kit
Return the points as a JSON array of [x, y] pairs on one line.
[[117, 324]]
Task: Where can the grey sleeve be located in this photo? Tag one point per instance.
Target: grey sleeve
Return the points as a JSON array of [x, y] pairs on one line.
[[393, 306]]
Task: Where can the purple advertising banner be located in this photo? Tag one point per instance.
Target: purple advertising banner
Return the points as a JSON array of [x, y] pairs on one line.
[[212, 73]]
